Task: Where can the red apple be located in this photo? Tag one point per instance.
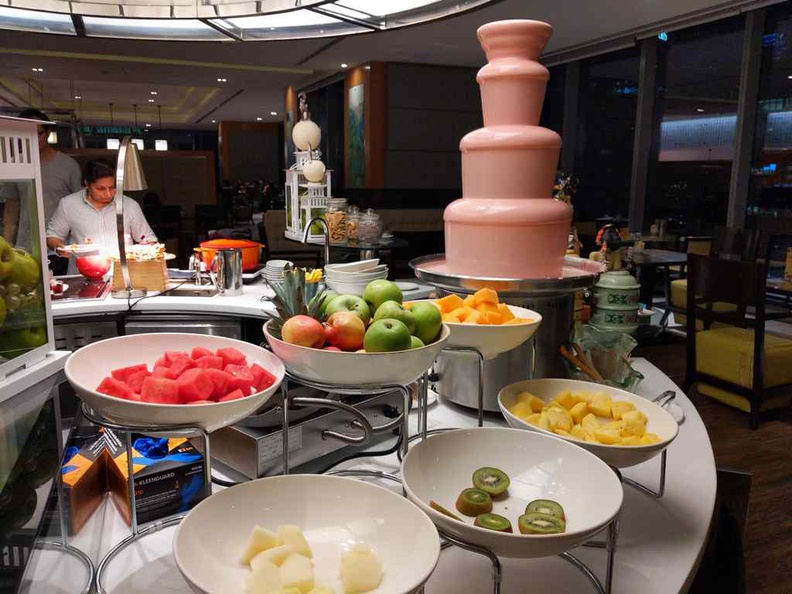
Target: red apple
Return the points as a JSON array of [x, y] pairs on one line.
[[93, 267], [304, 331], [345, 330]]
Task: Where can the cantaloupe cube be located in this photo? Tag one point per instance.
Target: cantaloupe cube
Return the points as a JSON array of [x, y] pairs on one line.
[[470, 301], [449, 303], [452, 318], [505, 312], [491, 317], [487, 307], [486, 296], [461, 313], [517, 321], [473, 317]]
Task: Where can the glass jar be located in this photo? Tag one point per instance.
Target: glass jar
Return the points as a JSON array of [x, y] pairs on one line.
[[336, 217], [353, 220], [369, 228]]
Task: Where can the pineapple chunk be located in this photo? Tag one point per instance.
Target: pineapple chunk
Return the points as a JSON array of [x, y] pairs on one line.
[[608, 435], [580, 410], [566, 400], [585, 397], [521, 410], [559, 418], [601, 405], [561, 432], [292, 535], [264, 579], [297, 572], [631, 440], [544, 421], [361, 570], [578, 432], [322, 590], [260, 540], [533, 419], [590, 423], [536, 403], [649, 439], [635, 415], [619, 407], [275, 555], [632, 426], [289, 591]]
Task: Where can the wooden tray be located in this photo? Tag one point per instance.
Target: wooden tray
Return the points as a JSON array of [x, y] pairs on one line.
[[151, 275]]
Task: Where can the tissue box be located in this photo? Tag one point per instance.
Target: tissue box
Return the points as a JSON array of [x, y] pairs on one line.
[[84, 477], [168, 475]]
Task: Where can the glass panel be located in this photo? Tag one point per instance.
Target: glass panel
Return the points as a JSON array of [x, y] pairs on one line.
[[187, 29], [697, 89], [286, 25], [35, 21], [770, 190], [22, 311], [553, 107], [605, 132]]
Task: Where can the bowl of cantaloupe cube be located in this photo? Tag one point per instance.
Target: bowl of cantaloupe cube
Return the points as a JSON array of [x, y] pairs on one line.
[[481, 321], [619, 427]]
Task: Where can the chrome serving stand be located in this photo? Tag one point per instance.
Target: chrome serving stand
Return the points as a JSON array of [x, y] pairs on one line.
[[155, 526]]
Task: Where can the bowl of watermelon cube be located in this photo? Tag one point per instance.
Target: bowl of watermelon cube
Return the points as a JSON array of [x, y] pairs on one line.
[[174, 379]]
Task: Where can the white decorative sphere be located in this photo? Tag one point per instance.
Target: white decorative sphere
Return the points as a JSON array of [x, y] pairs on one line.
[[314, 171], [306, 135]]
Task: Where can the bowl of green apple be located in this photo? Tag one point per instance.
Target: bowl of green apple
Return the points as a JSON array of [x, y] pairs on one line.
[[348, 340]]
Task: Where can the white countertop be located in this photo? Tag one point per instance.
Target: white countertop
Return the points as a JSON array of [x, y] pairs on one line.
[[659, 547], [248, 304]]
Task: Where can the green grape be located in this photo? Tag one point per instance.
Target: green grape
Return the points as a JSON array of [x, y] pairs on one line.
[[13, 289], [2, 291], [12, 302]]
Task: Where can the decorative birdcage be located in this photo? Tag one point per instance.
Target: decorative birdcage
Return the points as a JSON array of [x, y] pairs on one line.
[[308, 183]]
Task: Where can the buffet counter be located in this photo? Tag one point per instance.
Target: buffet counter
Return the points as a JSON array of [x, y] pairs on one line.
[[660, 541]]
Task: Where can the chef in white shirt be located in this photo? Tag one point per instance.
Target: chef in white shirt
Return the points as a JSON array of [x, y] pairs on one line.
[[89, 216]]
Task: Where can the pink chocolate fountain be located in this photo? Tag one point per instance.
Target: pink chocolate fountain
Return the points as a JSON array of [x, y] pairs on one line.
[[508, 225]]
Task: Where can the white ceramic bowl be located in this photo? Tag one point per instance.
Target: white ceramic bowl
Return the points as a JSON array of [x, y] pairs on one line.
[[375, 271], [491, 340], [539, 467], [333, 513], [86, 367], [356, 369], [351, 287], [353, 266], [659, 420]]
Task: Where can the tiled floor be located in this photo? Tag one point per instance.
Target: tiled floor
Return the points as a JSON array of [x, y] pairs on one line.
[[766, 454]]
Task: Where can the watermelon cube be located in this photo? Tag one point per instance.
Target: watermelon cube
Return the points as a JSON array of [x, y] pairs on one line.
[[181, 364], [231, 356], [135, 380], [123, 373], [220, 380], [262, 379], [232, 395], [240, 378], [210, 360], [160, 390], [199, 352], [171, 356], [194, 384], [115, 387], [163, 371]]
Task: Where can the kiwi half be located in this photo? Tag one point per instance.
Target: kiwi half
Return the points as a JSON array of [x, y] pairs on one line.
[[535, 523], [493, 522], [492, 480], [547, 507], [474, 502]]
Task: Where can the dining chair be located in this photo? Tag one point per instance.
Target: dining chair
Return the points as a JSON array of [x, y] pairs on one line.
[[738, 364]]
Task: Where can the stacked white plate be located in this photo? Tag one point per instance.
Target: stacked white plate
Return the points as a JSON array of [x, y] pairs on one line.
[[273, 271], [352, 277]]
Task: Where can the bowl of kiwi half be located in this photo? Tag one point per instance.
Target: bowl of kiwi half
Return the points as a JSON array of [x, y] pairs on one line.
[[518, 493]]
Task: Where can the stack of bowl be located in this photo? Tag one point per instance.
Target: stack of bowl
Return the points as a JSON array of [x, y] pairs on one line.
[[273, 271], [352, 277]]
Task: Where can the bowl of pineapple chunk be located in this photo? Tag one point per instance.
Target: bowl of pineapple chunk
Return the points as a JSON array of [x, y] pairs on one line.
[[481, 321], [620, 428]]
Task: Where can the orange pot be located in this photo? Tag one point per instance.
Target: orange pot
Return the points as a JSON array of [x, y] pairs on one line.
[[250, 251]]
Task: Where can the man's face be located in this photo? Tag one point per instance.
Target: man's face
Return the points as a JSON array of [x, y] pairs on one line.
[[103, 190], [43, 133]]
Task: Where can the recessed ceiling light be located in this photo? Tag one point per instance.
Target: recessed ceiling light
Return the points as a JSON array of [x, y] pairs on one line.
[[790, 76], [148, 125], [344, 65], [367, 67], [214, 121], [258, 119], [151, 100], [222, 80], [700, 110], [37, 69], [273, 113], [154, 92], [77, 97]]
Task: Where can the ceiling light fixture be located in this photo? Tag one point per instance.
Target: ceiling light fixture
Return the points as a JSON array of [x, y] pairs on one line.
[[273, 113], [222, 80], [258, 119], [37, 69], [154, 93], [214, 121], [700, 110], [344, 65], [148, 125], [78, 97]]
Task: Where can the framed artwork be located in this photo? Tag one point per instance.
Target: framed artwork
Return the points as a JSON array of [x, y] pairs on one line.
[[357, 155]]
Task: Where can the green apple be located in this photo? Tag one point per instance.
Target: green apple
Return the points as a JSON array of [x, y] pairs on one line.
[[416, 343], [379, 291], [395, 311], [25, 271], [6, 257], [428, 321], [17, 342], [349, 303], [327, 297], [3, 311], [384, 336]]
